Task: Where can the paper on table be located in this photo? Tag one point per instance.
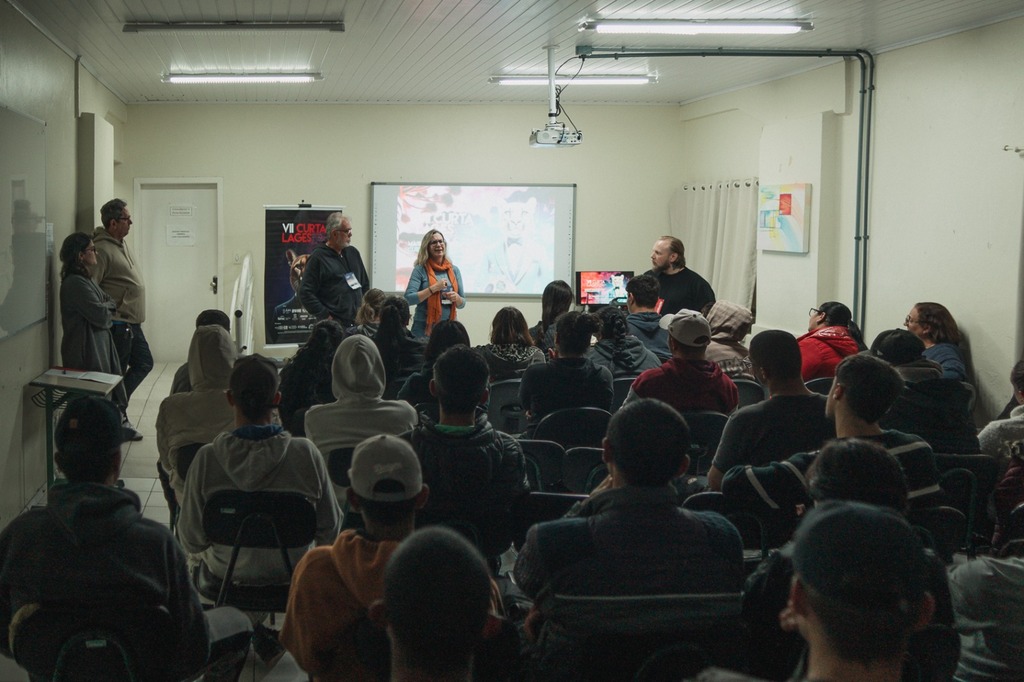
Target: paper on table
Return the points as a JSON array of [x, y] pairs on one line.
[[98, 377]]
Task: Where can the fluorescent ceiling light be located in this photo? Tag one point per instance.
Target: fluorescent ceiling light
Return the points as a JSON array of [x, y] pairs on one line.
[[194, 78], [610, 79], [137, 27], [696, 26]]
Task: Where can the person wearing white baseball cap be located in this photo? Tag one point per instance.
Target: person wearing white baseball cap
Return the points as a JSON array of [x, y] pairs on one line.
[[334, 586], [687, 381]]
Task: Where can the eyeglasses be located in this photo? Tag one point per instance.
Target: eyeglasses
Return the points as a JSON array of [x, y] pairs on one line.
[[908, 320], [436, 241], [89, 249], [813, 312], [348, 231], [124, 219]]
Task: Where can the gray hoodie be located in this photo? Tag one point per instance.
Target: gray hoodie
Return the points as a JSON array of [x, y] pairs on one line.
[[359, 412]]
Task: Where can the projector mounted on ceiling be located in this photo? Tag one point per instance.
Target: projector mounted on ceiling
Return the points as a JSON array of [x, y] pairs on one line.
[[554, 134]]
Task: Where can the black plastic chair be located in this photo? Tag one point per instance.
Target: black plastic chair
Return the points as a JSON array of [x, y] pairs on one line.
[[583, 469], [537, 508], [90, 642], [620, 389], [967, 482], [339, 461], [706, 428], [574, 427], [254, 520], [504, 411], [1014, 528], [549, 458], [821, 385], [750, 391], [932, 654], [186, 454], [756, 541], [946, 528]]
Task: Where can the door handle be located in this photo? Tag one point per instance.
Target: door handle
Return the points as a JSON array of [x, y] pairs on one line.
[[213, 284]]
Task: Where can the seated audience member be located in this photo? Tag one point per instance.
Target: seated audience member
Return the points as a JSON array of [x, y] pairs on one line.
[[436, 607], [554, 302], [935, 326], [1009, 492], [860, 588], [792, 420], [443, 335], [359, 411], [306, 378], [180, 383], [201, 414], [334, 586], [687, 381], [511, 349], [937, 409], [643, 319], [996, 438], [475, 473], [853, 470], [257, 455], [829, 339], [630, 537], [91, 546], [904, 351], [622, 353], [401, 352], [368, 315], [989, 605], [864, 389], [569, 378], [730, 324]]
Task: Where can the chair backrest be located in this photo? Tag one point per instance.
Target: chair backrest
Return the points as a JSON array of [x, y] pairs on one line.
[[339, 461], [820, 385], [946, 527], [620, 389], [187, 453], [574, 426], [549, 458], [504, 410], [706, 501], [751, 392], [258, 520], [967, 482], [537, 508], [706, 428], [1014, 528], [90, 642], [582, 469]]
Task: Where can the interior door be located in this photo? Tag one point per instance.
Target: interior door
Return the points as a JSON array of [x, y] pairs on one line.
[[176, 235]]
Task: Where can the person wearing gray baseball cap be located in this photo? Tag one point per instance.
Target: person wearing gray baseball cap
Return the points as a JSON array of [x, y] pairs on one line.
[[334, 586], [687, 381]]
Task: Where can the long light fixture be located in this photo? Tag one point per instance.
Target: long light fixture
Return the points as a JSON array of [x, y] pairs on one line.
[[213, 78], [590, 79], [137, 27], [697, 26]]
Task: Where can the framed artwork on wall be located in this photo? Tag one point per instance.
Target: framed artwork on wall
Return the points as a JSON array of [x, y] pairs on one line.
[[783, 217]]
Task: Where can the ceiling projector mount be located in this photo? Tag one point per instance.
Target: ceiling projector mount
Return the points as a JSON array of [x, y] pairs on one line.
[[554, 134]]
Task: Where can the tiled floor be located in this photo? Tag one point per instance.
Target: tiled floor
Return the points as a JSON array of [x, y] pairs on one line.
[[138, 471]]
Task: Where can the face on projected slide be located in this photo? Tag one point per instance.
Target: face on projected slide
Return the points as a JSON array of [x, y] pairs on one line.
[[663, 259]]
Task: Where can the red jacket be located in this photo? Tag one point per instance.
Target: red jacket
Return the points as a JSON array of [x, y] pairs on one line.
[[822, 349]]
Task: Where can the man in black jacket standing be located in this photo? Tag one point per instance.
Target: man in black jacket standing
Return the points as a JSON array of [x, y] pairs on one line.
[[334, 279]]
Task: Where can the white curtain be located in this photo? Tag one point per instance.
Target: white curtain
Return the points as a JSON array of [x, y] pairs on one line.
[[717, 222]]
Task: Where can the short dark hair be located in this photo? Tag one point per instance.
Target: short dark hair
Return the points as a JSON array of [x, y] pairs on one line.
[[253, 383], [777, 352], [509, 328], [87, 439], [941, 325], [870, 385], [648, 440], [444, 335], [460, 378], [1017, 376], [437, 594], [112, 210], [613, 323], [213, 316], [573, 331], [645, 290], [858, 470]]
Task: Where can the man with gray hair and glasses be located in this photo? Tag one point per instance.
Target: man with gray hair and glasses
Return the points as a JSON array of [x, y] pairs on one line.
[[334, 279]]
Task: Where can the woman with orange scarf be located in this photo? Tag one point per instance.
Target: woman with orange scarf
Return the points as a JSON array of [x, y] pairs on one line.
[[435, 286]]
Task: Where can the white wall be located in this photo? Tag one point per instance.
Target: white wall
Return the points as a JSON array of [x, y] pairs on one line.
[[329, 154]]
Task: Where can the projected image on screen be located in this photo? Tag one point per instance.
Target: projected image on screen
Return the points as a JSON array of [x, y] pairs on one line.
[[505, 239]]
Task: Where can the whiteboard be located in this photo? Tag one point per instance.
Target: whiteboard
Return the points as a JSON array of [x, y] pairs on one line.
[[23, 237], [506, 240]]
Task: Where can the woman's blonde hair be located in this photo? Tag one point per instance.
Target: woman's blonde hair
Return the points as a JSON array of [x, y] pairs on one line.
[[423, 256], [369, 311]]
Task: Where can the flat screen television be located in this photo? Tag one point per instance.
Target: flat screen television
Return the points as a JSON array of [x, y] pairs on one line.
[[602, 287]]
